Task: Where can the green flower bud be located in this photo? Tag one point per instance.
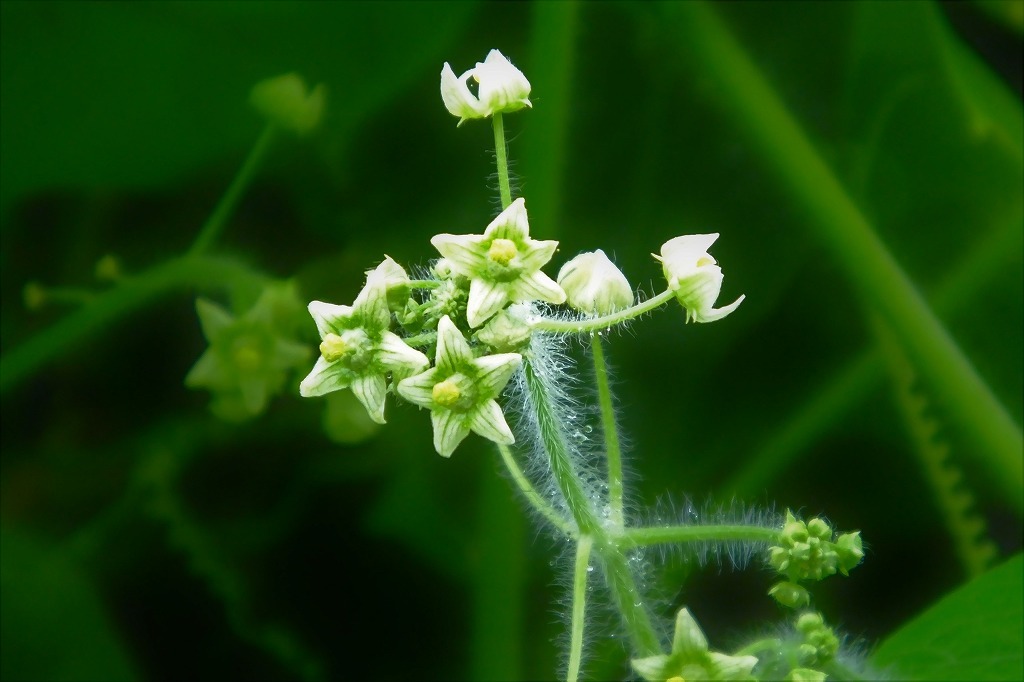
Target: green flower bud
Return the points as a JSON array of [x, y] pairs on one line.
[[805, 675], [790, 594], [285, 101], [850, 551]]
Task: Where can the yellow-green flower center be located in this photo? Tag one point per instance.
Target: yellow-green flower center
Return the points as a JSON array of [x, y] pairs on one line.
[[502, 251], [333, 347], [248, 358], [704, 260], [446, 393]]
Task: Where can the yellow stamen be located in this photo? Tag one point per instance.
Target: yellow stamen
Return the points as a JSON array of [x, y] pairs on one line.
[[333, 347], [502, 251], [446, 393]]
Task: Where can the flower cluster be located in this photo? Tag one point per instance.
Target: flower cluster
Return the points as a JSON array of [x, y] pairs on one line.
[[810, 551]]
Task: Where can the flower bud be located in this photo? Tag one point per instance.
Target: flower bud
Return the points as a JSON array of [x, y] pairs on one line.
[[790, 594], [502, 89], [594, 285], [285, 101]]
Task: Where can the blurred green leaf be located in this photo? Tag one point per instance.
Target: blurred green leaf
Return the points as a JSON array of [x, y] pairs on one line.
[[53, 624], [974, 633], [102, 94]]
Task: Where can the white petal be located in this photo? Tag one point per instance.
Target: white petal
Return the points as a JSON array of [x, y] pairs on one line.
[[325, 377], [449, 431], [489, 421], [456, 95], [688, 248], [396, 354], [512, 223], [537, 287], [495, 371], [503, 87], [719, 313], [733, 667], [419, 389], [328, 317], [371, 305], [453, 350], [538, 253], [371, 390], [465, 252], [485, 299]]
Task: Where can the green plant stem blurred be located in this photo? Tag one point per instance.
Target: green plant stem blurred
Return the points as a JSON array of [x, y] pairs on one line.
[[853, 384], [218, 220], [878, 279], [129, 295]]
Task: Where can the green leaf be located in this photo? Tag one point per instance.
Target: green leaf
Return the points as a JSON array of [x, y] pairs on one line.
[[973, 633], [53, 624]]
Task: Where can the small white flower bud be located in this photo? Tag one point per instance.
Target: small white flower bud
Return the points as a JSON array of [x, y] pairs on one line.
[[502, 89], [594, 285]]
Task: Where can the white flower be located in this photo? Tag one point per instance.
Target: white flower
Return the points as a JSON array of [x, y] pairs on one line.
[[460, 391], [503, 264], [502, 89], [594, 285], [358, 350], [695, 276]]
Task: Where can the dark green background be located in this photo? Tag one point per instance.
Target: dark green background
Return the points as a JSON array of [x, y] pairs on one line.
[[142, 538]]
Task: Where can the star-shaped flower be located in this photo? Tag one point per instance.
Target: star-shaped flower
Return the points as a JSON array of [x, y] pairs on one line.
[[503, 264], [250, 356], [460, 391], [358, 350], [502, 89], [691, 660], [695, 276]]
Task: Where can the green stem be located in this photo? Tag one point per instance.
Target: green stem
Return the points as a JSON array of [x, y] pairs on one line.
[[641, 537], [842, 228], [531, 494], [612, 448], [501, 160], [215, 224], [71, 331], [614, 563], [593, 324], [424, 283], [424, 339], [579, 605]]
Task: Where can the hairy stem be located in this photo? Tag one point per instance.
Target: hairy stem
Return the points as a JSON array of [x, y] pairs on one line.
[[616, 567], [579, 606], [531, 494], [639, 537], [613, 450], [215, 224], [593, 324]]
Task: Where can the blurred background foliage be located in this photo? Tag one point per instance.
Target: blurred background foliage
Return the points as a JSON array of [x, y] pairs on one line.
[[142, 538]]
